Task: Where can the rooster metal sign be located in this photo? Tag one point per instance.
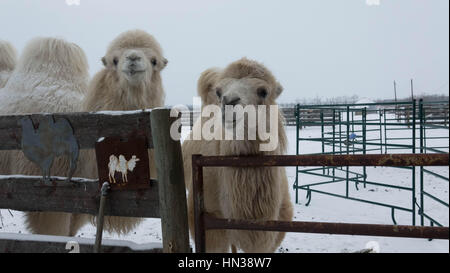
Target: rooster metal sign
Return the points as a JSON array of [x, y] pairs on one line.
[[50, 140], [123, 162]]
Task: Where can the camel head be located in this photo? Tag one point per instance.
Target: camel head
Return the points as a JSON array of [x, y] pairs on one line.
[[243, 83], [135, 57]]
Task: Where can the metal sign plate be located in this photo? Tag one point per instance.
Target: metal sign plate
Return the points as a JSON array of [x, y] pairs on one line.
[[51, 139], [123, 162]]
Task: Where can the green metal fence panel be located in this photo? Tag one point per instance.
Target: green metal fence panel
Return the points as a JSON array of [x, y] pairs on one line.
[[375, 128]]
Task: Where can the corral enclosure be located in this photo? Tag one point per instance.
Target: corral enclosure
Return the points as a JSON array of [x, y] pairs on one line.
[[404, 127]]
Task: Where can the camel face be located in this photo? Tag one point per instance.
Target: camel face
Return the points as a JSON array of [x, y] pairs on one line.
[[245, 91], [249, 93], [133, 66], [134, 57]]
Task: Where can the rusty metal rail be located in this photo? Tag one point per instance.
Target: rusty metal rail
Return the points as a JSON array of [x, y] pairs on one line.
[[204, 221], [329, 228], [388, 160]]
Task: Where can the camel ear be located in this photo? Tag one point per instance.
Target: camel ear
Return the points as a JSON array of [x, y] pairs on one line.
[[205, 86], [278, 90], [104, 61], [162, 63]]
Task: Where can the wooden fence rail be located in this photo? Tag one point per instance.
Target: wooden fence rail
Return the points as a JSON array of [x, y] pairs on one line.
[[30, 193], [87, 127]]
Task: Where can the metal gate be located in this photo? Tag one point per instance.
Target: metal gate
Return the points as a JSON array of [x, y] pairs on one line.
[[373, 128]]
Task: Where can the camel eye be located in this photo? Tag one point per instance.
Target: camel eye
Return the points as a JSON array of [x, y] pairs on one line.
[[115, 61], [219, 92], [154, 62], [262, 92]]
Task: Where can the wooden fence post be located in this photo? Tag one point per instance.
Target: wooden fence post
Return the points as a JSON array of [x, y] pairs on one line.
[[172, 191]]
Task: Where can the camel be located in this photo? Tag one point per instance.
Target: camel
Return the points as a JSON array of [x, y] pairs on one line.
[[130, 80], [112, 167], [8, 59], [121, 165], [240, 193], [51, 76]]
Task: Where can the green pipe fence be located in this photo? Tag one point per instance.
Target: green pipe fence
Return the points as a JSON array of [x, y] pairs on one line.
[[431, 120], [368, 128]]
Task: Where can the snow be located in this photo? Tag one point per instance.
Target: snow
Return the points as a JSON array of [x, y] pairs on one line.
[[80, 240], [365, 100], [33, 177], [325, 208], [119, 113]]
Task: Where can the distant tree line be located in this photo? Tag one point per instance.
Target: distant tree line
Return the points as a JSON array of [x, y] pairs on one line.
[[322, 100], [440, 97], [355, 98]]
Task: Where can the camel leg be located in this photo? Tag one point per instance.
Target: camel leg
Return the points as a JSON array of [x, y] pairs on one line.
[[111, 177], [48, 223], [77, 221]]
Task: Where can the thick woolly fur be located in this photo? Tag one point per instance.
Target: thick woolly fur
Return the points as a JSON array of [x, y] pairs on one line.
[[240, 193], [130, 80], [8, 59], [51, 76]]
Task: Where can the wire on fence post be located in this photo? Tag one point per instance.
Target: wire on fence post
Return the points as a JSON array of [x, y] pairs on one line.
[[100, 217]]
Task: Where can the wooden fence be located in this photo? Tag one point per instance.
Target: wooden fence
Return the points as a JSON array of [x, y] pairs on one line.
[[165, 198]]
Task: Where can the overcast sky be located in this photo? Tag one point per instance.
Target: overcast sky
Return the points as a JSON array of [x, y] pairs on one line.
[[322, 48]]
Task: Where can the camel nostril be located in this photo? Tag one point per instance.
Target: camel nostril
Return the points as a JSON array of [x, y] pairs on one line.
[[232, 101]]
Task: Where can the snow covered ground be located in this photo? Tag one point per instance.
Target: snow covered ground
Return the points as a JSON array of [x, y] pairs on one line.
[[325, 208]]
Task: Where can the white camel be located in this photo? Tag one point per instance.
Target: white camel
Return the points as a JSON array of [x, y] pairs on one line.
[[121, 165]]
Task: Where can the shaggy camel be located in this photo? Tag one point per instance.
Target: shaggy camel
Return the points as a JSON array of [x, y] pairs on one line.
[[240, 193], [51, 76], [130, 80], [8, 61]]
